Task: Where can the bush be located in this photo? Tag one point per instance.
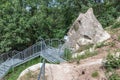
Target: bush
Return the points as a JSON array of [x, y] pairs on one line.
[[112, 62], [114, 76], [116, 25], [106, 13]]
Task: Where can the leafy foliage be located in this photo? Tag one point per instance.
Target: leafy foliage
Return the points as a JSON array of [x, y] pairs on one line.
[[23, 21], [116, 25], [112, 62], [114, 76]]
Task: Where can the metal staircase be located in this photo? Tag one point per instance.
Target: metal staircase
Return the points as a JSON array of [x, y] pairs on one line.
[[51, 56], [7, 65], [47, 51]]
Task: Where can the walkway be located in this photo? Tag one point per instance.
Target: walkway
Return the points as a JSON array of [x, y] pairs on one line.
[[51, 54]]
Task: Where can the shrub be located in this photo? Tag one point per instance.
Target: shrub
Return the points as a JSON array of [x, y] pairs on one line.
[[95, 74], [114, 76], [116, 25], [112, 62]]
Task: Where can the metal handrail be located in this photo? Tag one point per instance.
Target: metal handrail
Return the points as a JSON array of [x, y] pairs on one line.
[[33, 51], [41, 75], [5, 56], [39, 46]]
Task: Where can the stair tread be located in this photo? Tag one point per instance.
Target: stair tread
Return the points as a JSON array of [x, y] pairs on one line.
[[49, 53]]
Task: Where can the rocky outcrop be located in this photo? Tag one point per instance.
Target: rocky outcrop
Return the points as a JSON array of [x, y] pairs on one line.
[[85, 30], [65, 71]]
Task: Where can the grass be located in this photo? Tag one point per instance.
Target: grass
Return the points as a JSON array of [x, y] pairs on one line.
[[84, 47], [111, 44], [95, 74], [67, 55], [87, 54], [101, 44], [116, 25], [119, 38], [14, 73], [112, 62], [114, 76]]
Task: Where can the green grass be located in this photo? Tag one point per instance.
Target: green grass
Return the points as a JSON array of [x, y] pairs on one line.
[[14, 73], [119, 38], [86, 55], [112, 44], [112, 62], [116, 25], [84, 47], [101, 44], [67, 55], [95, 74], [114, 76]]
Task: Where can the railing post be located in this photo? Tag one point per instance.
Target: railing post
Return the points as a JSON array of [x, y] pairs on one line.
[[24, 56], [41, 46], [41, 75], [12, 64], [32, 50], [59, 46], [50, 42], [4, 67], [1, 59]]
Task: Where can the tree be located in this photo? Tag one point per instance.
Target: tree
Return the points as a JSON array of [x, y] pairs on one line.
[[22, 22]]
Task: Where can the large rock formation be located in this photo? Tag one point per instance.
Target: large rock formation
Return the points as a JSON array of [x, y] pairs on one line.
[[85, 30], [66, 71]]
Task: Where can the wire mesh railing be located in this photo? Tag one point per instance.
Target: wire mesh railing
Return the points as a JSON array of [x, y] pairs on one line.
[[39, 46], [41, 75], [52, 45], [5, 56]]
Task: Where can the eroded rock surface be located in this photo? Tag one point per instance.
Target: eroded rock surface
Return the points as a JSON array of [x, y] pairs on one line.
[[86, 30], [65, 71]]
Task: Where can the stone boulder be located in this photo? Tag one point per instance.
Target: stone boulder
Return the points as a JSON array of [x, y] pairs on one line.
[[85, 30]]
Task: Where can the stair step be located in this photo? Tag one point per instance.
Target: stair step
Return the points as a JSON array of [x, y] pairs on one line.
[[2, 69], [50, 54], [5, 66], [50, 58], [1, 72]]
